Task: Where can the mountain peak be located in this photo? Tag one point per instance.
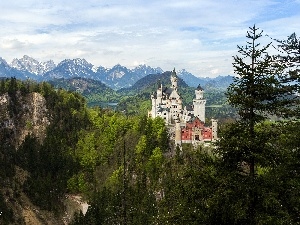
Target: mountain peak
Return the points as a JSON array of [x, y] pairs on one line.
[[116, 77], [3, 62], [69, 68], [31, 65]]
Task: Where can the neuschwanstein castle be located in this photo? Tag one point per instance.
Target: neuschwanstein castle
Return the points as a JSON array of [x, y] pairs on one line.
[[187, 125]]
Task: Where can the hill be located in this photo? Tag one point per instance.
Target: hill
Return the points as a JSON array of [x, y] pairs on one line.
[[95, 92], [150, 83], [38, 126]]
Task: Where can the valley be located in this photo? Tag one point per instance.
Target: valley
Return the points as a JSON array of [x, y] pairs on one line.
[[60, 151]]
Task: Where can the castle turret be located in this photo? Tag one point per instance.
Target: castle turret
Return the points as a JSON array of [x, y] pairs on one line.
[[199, 104], [177, 132], [214, 128], [199, 92], [174, 80], [159, 94], [153, 109]]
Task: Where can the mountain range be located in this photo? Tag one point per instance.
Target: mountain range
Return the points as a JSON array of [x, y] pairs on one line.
[[116, 77]]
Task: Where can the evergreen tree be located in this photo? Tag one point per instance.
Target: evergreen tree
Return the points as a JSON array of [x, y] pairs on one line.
[[289, 60], [2, 86], [255, 94]]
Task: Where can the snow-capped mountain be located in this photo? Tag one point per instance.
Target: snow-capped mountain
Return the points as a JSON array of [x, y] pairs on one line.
[[7, 71], [47, 66], [31, 65], [70, 68], [120, 76], [143, 70], [117, 72], [116, 77], [221, 82], [4, 65], [192, 80]]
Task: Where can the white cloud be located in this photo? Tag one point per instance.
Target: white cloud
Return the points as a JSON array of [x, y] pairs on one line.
[[190, 34], [12, 44]]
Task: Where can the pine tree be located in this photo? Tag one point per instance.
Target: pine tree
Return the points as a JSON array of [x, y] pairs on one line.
[[289, 60], [255, 94]]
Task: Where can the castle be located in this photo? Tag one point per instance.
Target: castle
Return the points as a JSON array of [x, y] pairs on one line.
[[186, 125]]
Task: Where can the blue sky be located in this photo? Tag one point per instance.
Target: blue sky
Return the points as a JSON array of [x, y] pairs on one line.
[[197, 35]]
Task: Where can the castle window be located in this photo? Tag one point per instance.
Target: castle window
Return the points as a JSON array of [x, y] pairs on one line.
[[197, 137]]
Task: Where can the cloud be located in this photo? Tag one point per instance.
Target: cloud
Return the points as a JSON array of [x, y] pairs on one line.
[[215, 71], [12, 44], [137, 63], [189, 34]]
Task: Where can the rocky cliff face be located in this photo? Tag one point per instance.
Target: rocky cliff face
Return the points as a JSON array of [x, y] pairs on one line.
[[21, 115], [27, 115]]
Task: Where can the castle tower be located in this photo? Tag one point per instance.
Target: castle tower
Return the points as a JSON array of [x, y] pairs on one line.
[[174, 80], [177, 133], [214, 128], [153, 109], [159, 94], [199, 104]]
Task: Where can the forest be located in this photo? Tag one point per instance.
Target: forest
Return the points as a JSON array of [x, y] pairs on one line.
[[130, 172]]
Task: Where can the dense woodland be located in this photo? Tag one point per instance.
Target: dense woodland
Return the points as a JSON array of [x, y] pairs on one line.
[[128, 170]]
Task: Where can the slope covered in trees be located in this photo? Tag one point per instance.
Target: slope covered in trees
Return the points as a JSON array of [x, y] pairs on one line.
[[94, 91], [129, 171], [253, 178]]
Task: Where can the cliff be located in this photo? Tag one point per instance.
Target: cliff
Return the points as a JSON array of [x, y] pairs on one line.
[[27, 115], [24, 114]]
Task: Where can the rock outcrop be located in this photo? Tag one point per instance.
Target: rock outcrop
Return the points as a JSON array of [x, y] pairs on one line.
[[27, 115]]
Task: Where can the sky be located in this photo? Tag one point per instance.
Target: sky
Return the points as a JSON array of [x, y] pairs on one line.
[[200, 36]]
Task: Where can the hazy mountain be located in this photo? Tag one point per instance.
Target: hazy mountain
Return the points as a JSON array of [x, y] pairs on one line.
[[152, 81], [82, 85], [7, 71], [117, 77], [95, 92], [121, 77], [191, 79], [220, 82], [144, 70]]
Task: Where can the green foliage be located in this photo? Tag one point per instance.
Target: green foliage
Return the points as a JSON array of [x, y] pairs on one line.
[[78, 183], [135, 105], [115, 179], [86, 152], [105, 210], [141, 146], [253, 150], [124, 165], [6, 214], [49, 163], [28, 156], [7, 157], [154, 164], [188, 189], [255, 90], [289, 60], [94, 91]]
